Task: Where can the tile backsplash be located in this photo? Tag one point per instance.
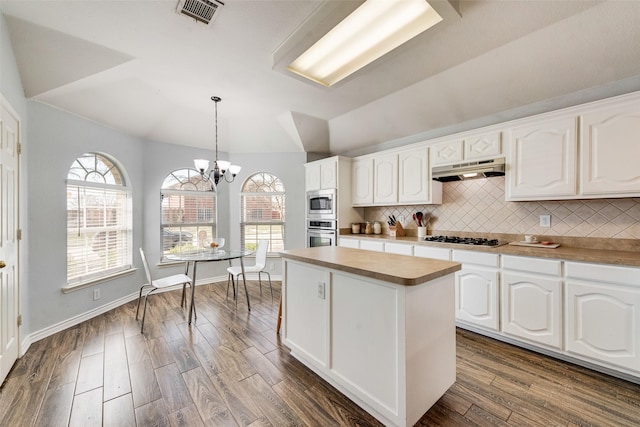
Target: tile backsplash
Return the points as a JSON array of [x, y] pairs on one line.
[[479, 206]]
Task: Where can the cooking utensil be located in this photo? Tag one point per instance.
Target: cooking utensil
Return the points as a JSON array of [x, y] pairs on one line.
[[416, 220], [418, 215]]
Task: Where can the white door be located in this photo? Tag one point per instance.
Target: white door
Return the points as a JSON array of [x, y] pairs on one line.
[[9, 156]]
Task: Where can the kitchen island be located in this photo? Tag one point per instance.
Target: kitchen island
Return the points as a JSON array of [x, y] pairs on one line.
[[378, 327]]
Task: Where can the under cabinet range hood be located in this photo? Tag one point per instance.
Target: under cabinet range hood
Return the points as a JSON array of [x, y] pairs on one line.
[[469, 170]]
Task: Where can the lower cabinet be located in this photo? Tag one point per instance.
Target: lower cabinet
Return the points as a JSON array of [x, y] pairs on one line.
[[477, 289], [372, 245], [602, 311], [349, 243], [398, 248], [531, 306]]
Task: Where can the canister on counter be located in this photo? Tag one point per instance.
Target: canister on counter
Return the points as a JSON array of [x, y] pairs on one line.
[[377, 228], [368, 228], [355, 228]]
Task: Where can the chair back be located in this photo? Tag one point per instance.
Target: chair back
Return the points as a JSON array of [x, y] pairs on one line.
[[146, 266], [261, 254]]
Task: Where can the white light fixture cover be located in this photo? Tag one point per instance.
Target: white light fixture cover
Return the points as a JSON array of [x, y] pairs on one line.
[[201, 164], [372, 30]]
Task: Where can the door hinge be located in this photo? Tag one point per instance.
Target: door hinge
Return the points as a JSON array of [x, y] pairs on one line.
[[19, 320], [19, 148], [19, 233]]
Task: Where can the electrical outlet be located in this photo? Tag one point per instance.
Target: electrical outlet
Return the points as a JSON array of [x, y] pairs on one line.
[[321, 290], [96, 294], [545, 221], [272, 266], [401, 219]]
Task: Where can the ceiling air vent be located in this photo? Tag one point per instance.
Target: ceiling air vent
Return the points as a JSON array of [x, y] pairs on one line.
[[201, 10]]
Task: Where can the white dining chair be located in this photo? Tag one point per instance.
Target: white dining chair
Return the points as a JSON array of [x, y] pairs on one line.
[[261, 261], [153, 285]]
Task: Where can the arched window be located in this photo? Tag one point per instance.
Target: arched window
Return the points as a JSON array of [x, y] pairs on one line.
[[262, 210], [188, 209], [99, 220]]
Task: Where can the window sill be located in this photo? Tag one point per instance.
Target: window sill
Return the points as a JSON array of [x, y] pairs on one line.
[[76, 287]]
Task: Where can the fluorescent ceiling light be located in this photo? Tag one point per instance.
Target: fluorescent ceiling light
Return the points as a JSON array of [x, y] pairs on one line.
[[375, 28]]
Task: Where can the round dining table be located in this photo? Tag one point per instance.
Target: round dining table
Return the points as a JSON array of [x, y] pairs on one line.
[[208, 255]]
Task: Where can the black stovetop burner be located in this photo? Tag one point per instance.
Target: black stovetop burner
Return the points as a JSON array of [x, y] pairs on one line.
[[475, 241]]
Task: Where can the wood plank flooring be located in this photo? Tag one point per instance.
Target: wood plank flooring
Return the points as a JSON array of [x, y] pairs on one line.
[[230, 368]]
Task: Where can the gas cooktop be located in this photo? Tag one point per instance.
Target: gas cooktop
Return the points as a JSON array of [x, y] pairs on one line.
[[474, 241]]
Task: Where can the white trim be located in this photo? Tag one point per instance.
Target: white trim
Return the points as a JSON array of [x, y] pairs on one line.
[[82, 285]]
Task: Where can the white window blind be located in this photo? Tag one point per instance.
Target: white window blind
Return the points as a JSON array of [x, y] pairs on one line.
[[188, 212], [262, 209], [99, 224]]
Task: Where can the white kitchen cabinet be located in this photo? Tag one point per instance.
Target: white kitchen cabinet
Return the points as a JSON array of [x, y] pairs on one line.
[[610, 150], [477, 289], [467, 146], [393, 178], [398, 248], [531, 303], [321, 174], [362, 181], [542, 158], [385, 179], [349, 243], [432, 252], [372, 245], [602, 306]]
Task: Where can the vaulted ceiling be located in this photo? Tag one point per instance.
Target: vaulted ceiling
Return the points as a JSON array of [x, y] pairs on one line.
[[142, 68]]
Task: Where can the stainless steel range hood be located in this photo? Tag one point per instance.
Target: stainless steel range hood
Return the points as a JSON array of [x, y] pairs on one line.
[[469, 170]]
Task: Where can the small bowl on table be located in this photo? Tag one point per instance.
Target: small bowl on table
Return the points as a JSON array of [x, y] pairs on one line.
[[216, 244]]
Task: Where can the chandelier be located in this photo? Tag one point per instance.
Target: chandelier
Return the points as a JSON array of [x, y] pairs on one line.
[[222, 169]]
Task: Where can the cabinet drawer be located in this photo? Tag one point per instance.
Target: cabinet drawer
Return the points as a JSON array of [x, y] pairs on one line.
[[371, 245], [398, 248], [603, 273], [349, 243], [431, 252], [532, 265], [478, 258]]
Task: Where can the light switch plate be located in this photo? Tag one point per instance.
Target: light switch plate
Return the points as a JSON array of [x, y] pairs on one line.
[[545, 221]]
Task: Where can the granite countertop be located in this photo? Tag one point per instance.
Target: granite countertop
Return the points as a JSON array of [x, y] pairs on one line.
[[595, 250], [398, 269]]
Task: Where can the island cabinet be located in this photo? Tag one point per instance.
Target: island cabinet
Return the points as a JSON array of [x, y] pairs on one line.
[[602, 315], [477, 292], [380, 328], [531, 305]]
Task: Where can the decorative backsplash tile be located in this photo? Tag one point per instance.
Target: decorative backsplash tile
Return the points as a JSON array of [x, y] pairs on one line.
[[479, 206]]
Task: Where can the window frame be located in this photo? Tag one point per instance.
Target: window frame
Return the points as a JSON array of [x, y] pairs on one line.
[[281, 223], [87, 190]]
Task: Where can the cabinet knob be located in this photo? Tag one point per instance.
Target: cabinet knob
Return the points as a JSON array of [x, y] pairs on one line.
[[3, 264]]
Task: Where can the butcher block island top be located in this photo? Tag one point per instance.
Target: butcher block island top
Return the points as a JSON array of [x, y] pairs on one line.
[[398, 269]]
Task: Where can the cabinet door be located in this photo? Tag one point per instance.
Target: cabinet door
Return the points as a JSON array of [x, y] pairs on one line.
[[448, 152], [602, 323], [312, 176], [362, 182], [532, 308], [482, 146], [329, 174], [385, 179], [542, 160], [477, 297], [610, 151], [415, 176]]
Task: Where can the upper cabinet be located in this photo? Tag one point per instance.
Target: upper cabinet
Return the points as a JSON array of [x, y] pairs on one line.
[[610, 150], [321, 174], [465, 147], [394, 177], [542, 152], [541, 158]]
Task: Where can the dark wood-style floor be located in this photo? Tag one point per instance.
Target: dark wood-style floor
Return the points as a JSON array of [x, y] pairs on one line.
[[230, 368]]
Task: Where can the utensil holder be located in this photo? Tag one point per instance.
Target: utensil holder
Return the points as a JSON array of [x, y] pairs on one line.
[[396, 230], [422, 231]]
